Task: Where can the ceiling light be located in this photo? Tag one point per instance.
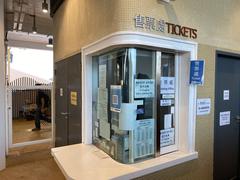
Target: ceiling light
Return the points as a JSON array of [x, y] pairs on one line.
[[44, 7], [34, 28], [50, 43]]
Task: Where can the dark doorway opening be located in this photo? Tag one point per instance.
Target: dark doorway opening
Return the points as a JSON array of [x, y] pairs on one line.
[[227, 111]]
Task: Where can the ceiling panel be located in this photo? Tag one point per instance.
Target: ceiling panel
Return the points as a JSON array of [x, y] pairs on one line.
[[22, 12]]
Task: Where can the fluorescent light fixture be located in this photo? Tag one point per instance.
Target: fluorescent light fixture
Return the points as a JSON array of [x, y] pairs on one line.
[[50, 43], [44, 7]]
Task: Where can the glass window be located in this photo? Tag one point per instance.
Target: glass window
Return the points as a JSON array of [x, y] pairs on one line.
[[130, 116]]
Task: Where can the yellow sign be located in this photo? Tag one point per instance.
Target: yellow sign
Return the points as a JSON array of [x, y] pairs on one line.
[[73, 98]]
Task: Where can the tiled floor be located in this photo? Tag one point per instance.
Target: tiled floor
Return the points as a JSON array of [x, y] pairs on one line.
[[31, 163]]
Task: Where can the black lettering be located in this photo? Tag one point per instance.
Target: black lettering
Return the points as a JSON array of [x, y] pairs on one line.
[[194, 34]]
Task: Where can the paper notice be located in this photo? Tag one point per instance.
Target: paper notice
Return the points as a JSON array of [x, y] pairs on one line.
[[167, 137], [203, 106], [144, 88], [167, 85], [102, 106], [73, 98], [102, 75], [224, 118], [165, 102], [104, 129], [226, 95], [167, 121], [168, 96]]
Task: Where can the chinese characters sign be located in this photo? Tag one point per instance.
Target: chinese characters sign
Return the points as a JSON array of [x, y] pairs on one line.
[[197, 72], [159, 25], [167, 85]]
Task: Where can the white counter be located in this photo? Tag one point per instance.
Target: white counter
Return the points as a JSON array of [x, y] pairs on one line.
[[87, 162]]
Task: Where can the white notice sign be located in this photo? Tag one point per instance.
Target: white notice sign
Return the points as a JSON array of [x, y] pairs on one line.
[[203, 106], [166, 137], [167, 85], [144, 88], [168, 96], [226, 95], [102, 75], [165, 102], [224, 118], [167, 121]]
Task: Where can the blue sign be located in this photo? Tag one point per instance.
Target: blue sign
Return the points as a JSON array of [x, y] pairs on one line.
[[197, 72], [116, 98]]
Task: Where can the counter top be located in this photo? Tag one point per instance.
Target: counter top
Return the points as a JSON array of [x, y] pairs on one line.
[[87, 162]]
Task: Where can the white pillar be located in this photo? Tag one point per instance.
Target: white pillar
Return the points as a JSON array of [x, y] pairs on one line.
[[2, 90]]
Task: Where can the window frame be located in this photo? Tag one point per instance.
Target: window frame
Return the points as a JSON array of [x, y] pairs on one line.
[[186, 134]]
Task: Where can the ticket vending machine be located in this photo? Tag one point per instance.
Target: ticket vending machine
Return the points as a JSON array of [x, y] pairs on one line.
[[133, 103]]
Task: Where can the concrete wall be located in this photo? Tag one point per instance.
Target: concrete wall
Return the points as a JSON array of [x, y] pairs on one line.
[[2, 89], [80, 22]]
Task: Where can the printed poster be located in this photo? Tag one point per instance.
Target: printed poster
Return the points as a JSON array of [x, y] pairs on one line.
[[116, 98], [144, 88], [203, 106], [167, 137], [224, 118], [167, 85]]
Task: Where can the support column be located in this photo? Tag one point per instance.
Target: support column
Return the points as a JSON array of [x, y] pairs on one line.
[[2, 91]]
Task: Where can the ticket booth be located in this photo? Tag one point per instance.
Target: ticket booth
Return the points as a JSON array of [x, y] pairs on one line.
[[142, 104]]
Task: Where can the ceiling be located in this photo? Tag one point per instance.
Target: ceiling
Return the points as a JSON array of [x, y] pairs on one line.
[[19, 20]]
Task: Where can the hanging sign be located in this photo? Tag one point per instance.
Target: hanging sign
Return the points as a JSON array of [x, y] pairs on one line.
[[197, 72]]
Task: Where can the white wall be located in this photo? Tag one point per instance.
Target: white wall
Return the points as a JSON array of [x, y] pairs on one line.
[[2, 89]]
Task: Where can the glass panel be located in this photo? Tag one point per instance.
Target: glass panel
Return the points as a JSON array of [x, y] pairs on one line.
[[167, 100], [123, 102], [125, 105], [145, 98], [110, 90]]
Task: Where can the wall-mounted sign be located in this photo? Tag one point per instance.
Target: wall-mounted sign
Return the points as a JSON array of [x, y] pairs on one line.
[[73, 98], [197, 72], [144, 88], [226, 95], [203, 106], [61, 91], [224, 118], [159, 25]]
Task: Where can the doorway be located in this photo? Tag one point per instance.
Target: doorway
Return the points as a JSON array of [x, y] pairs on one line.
[[227, 116], [29, 96], [68, 125]]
